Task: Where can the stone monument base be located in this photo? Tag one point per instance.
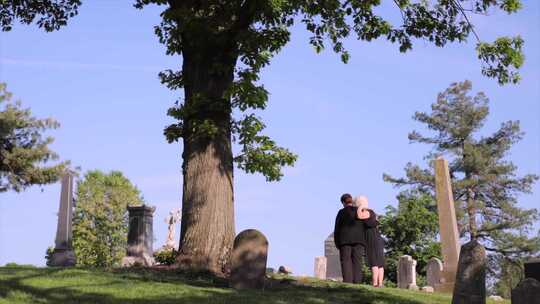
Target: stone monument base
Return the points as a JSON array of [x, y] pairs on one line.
[[63, 258], [130, 261], [445, 287], [448, 281]]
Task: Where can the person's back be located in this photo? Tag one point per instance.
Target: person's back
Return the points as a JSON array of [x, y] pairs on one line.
[[348, 229], [349, 237]]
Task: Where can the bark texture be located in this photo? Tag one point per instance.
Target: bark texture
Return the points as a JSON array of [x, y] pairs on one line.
[[207, 230]]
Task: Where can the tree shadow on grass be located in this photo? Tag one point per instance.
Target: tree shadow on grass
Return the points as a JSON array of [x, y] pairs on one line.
[[335, 292], [199, 288]]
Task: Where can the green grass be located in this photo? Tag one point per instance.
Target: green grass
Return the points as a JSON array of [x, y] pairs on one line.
[[24, 284]]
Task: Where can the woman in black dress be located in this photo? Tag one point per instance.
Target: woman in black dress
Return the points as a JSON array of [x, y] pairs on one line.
[[374, 241]]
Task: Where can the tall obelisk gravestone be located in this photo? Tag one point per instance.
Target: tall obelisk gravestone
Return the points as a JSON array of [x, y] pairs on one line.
[[447, 226], [63, 254]]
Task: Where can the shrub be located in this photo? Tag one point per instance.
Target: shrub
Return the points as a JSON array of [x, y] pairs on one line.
[[48, 255], [100, 221], [15, 265], [166, 257]]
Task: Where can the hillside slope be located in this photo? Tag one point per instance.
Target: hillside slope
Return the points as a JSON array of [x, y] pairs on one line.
[[56, 285]]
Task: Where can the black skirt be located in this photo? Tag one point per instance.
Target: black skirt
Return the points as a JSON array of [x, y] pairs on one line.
[[374, 248]]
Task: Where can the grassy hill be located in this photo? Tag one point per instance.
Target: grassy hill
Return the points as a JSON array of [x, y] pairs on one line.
[[22, 284]]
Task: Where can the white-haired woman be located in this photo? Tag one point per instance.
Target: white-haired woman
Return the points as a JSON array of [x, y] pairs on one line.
[[374, 240]]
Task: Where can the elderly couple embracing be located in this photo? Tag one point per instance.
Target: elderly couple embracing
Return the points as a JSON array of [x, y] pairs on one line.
[[356, 235]]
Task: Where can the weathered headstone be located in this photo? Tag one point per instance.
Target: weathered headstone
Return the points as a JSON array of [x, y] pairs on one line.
[[447, 226], [140, 236], [470, 286], [428, 289], [527, 292], [333, 264], [63, 254], [320, 267], [532, 268], [434, 269], [406, 272], [248, 260], [495, 298]]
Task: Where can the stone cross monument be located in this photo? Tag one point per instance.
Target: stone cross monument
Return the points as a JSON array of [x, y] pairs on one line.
[[63, 254], [448, 229]]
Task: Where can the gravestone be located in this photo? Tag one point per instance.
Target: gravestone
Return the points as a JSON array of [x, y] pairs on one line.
[[434, 269], [320, 267], [406, 272], [526, 292], [333, 264], [448, 230], [428, 289], [532, 268], [470, 286], [63, 254], [248, 260], [495, 298], [140, 236]]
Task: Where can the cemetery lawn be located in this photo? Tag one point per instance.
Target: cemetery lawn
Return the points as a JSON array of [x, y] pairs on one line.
[[26, 284]]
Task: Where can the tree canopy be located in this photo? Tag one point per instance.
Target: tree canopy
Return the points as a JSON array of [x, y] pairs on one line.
[[254, 31], [48, 14], [24, 150]]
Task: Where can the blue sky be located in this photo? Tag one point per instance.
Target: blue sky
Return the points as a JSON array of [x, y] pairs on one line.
[[348, 123]]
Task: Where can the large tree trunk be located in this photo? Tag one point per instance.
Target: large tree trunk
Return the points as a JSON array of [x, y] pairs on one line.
[[207, 229]]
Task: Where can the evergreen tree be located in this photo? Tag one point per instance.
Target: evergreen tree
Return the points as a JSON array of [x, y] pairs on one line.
[[24, 150], [410, 229], [100, 222], [484, 182], [507, 273]]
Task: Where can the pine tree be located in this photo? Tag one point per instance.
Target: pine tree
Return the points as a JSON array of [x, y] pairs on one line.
[[24, 150], [100, 222], [508, 274], [485, 183]]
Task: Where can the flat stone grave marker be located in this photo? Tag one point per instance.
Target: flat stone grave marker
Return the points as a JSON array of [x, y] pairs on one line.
[[248, 260]]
